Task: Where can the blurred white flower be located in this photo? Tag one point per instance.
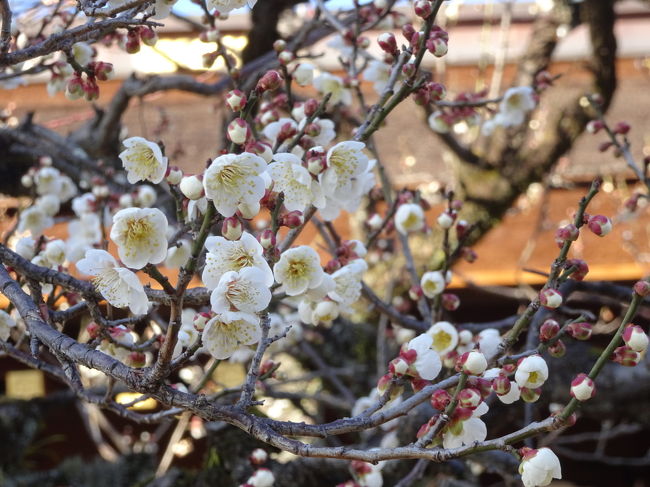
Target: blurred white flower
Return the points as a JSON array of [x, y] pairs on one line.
[[409, 217], [6, 323], [432, 283], [328, 83]]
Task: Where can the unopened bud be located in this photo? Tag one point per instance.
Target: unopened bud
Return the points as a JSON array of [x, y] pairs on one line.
[[635, 338], [626, 356], [582, 387], [387, 42], [137, 359], [174, 175], [600, 225], [580, 331], [642, 288], [469, 398], [271, 81], [557, 350], [530, 395], [267, 239], [236, 100], [232, 228], [292, 219], [450, 302], [472, 362], [501, 385], [440, 399], [548, 330], [238, 131], [258, 456], [594, 126], [200, 320], [423, 8], [191, 187], [622, 128], [550, 298]]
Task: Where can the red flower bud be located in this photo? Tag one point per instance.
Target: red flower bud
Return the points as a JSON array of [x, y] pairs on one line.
[[548, 330]]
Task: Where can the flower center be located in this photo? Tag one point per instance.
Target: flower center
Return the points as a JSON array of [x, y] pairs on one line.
[[230, 177], [240, 259], [138, 231], [533, 377], [144, 158], [297, 269], [441, 340]]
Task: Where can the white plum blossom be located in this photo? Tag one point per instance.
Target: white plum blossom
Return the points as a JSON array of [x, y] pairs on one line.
[[328, 83], [489, 341], [82, 53], [291, 178], [162, 8], [432, 283], [6, 324], [347, 283], [466, 432], [540, 469], [49, 203], [232, 179], [409, 217], [26, 247], [514, 106], [140, 236], [351, 199], [84, 204], [224, 334], [118, 285], [244, 290], [273, 129], [438, 122], [532, 372], [84, 232], [444, 337], [34, 220], [178, 255], [513, 395], [298, 270], [225, 6], [233, 255], [187, 334], [303, 74], [378, 73], [146, 196], [427, 363], [47, 180], [143, 160], [55, 252], [327, 132], [262, 477], [344, 161], [321, 313]]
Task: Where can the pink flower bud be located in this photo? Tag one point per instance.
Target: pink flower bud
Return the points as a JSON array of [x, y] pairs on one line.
[[209, 35], [93, 329], [567, 232], [594, 126], [407, 31], [548, 330], [200, 320], [437, 46], [603, 146], [271, 81], [580, 331], [473, 363], [279, 45], [137, 359], [469, 398], [238, 131], [446, 219], [292, 219], [418, 384], [132, 44], [582, 387], [383, 383], [174, 175], [258, 456], [232, 228], [530, 395], [468, 254], [148, 36], [626, 356], [582, 269], [600, 225], [423, 8], [501, 385], [267, 239], [438, 92], [635, 338], [440, 399], [236, 100], [398, 367], [642, 288], [285, 57], [622, 128], [484, 386], [550, 298], [387, 42], [557, 350], [450, 302], [103, 71]]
